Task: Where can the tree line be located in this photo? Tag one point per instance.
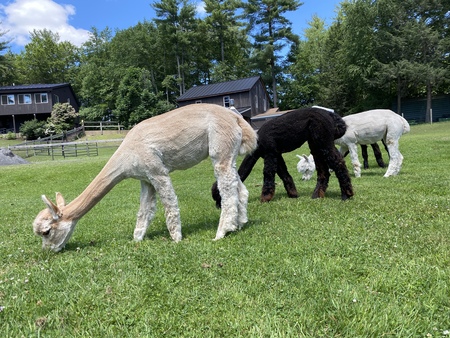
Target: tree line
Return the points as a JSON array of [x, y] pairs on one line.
[[375, 52]]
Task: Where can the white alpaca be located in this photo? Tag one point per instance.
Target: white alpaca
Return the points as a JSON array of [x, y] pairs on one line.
[[367, 128], [306, 166], [372, 126], [175, 140]]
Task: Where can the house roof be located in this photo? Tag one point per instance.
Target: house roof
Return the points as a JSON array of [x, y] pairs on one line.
[[221, 88], [33, 87]]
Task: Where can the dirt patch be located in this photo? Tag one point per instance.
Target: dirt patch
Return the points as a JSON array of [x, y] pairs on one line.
[[8, 158]]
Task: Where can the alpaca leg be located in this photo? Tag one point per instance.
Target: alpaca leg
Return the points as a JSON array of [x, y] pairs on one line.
[[396, 158], [270, 168], [365, 156], [242, 206], [227, 182], [323, 176], [244, 170], [337, 163], [378, 155], [164, 187], [146, 210], [354, 158], [288, 182]]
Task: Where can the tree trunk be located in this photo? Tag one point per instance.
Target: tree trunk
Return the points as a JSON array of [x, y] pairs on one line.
[[274, 83]]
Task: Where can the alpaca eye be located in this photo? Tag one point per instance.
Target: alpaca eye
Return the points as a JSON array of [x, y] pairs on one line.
[[46, 233]]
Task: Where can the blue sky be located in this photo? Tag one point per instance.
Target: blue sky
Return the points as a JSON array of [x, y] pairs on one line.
[[73, 19]]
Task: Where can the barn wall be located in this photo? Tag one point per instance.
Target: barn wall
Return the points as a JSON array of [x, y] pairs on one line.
[[414, 110]]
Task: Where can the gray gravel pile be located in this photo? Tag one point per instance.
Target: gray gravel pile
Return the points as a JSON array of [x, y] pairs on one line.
[[8, 158]]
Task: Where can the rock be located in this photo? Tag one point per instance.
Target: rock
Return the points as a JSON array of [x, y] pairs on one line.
[[8, 158]]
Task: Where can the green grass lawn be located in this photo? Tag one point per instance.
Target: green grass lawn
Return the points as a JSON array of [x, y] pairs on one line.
[[377, 265]]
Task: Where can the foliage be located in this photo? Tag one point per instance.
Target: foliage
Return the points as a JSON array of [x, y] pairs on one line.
[[136, 101], [372, 53], [33, 129], [62, 118], [271, 33], [46, 59], [5, 60], [307, 64], [11, 136], [175, 20], [376, 265]]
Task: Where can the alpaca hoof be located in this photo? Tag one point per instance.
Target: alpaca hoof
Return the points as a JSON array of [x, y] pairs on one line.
[[219, 235], [292, 194], [266, 198], [138, 235], [176, 237], [318, 194], [242, 220]]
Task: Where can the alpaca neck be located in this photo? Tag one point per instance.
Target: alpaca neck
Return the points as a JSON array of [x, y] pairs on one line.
[[109, 176]]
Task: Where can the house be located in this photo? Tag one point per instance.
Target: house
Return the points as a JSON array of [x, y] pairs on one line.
[[27, 102], [248, 96]]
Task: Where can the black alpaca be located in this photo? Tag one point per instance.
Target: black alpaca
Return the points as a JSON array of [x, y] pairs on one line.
[[288, 132]]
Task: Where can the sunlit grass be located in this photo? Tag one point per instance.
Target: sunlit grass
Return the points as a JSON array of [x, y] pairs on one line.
[[376, 265]]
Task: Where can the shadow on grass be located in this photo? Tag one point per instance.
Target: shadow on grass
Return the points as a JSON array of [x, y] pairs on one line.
[[205, 225]]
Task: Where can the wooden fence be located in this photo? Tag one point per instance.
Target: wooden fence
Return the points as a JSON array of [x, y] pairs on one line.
[[66, 149]]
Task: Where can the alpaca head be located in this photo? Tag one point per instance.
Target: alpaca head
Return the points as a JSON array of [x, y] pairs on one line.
[[51, 225], [306, 166]]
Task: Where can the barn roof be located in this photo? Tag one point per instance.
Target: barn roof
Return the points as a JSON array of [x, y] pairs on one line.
[[38, 86], [222, 88]]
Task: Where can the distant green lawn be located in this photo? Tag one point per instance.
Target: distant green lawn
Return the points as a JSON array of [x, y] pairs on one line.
[[376, 265]]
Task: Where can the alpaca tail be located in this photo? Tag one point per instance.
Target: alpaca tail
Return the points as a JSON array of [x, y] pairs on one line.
[[339, 126], [406, 127], [249, 137]]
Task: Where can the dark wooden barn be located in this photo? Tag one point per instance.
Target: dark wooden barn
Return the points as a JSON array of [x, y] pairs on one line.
[[27, 102], [248, 96]]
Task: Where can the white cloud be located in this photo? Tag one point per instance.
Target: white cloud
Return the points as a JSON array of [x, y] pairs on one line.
[[20, 17], [200, 9]]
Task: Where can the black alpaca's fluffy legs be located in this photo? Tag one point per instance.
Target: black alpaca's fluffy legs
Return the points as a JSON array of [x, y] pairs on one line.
[[287, 179], [270, 169], [323, 177], [331, 160], [337, 163]]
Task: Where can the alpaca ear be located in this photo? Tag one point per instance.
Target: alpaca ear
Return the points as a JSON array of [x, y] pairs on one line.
[[300, 157], [60, 202], [306, 157], [54, 210]]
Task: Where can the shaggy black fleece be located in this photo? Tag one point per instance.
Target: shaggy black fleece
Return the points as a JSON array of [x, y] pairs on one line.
[[288, 132]]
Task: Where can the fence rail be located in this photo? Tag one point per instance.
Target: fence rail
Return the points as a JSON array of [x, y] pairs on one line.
[[102, 125], [66, 149]]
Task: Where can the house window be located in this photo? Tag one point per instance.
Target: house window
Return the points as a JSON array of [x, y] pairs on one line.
[[256, 101], [41, 98], [226, 101], [8, 99], [24, 98], [55, 98]]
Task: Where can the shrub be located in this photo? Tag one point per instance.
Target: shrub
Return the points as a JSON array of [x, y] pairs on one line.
[[33, 129], [11, 136]]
